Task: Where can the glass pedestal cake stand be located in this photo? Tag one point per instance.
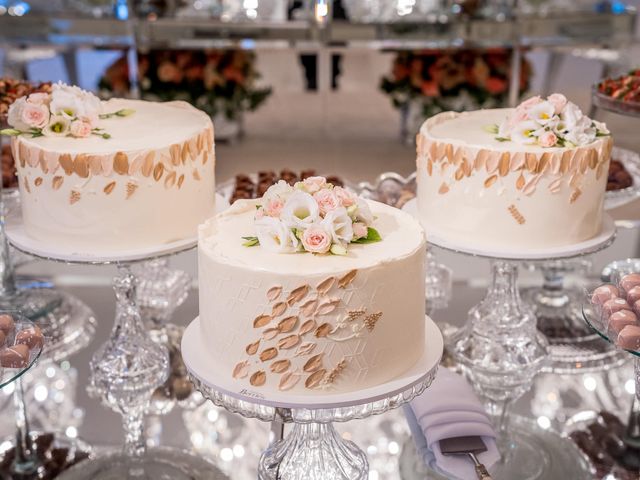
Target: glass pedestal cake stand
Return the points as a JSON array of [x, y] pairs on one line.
[[126, 369], [313, 450]]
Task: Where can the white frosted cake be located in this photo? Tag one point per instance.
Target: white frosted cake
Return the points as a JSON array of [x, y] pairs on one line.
[[276, 316], [530, 177], [119, 174]]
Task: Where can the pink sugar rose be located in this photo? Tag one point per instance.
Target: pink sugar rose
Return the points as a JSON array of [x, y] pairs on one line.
[[80, 129], [558, 101], [39, 98], [273, 207], [35, 116], [327, 201], [316, 239], [345, 196], [530, 102], [547, 139], [360, 230], [314, 184]]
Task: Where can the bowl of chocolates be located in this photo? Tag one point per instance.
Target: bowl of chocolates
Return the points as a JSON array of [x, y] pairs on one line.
[[21, 343]]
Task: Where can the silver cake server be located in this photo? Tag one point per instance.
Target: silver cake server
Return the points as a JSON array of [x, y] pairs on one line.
[[470, 446]]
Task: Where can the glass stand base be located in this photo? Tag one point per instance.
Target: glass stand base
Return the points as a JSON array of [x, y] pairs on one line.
[[534, 454], [33, 303], [155, 464]]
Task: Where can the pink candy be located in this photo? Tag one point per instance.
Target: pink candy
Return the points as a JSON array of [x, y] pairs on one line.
[[620, 319], [629, 281], [604, 293], [633, 295], [614, 305], [629, 337]]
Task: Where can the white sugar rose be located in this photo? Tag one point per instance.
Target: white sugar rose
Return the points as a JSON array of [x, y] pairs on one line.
[[300, 211], [35, 116], [542, 112], [345, 196], [59, 126], [80, 129], [601, 127], [275, 236], [14, 117], [327, 200], [281, 190], [558, 101], [524, 132], [339, 224], [65, 103], [316, 239], [362, 212], [313, 184], [571, 115]]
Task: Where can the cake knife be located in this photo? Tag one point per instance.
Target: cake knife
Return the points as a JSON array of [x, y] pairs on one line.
[[470, 446]]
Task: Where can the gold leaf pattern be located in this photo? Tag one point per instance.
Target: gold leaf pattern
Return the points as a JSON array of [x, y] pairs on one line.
[[327, 306], [280, 366], [109, 187], [305, 349], [270, 333], [309, 307], [520, 182], [107, 166], [258, 378], [56, 183], [131, 189], [26, 185], [136, 165], [287, 324], [490, 181], [308, 326], [158, 171], [24, 154], [268, 354], [493, 162], [196, 174], [545, 161], [503, 169], [554, 186], [180, 180], [530, 186], [170, 180], [347, 279], [261, 321], [241, 370], [273, 293], [66, 163], [314, 363], [174, 152], [323, 330], [147, 164], [297, 294], [184, 154], [315, 379], [95, 165], [288, 342], [575, 195], [252, 348], [278, 309], [43, 163], [444, 188], [81, 166], [515, 213], [531, 162], [74, 197], [371, 320], [288, 381], [324, 286], [517, 161], [121, 163], [38, 181]]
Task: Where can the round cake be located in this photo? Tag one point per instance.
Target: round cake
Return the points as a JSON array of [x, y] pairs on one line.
[[277, 316], [530, 177], [113, 175]]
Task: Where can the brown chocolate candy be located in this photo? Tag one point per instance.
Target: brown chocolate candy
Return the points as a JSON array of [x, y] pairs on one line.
[[14, 357], [620, 319], [629, 281], [7, 323], [31, 337], [629, 337], [614, 305], [604, 293], [3, 339]]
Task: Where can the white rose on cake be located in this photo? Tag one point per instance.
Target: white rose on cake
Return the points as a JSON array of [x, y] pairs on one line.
[[275, 236], [300, 211]]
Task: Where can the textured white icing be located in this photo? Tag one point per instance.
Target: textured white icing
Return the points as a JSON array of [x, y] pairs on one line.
[[234, 281], [470, 211]]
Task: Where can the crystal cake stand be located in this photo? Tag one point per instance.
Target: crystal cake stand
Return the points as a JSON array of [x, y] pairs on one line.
[[313, 450]]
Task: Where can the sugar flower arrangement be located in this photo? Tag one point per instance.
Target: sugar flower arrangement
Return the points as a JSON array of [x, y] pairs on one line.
[[550, 122], [67, 111], [311, 216]]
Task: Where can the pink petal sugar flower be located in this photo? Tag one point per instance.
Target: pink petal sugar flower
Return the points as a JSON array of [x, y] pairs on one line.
[[35, 116], [327, 200], [316, 239], [547, 139]]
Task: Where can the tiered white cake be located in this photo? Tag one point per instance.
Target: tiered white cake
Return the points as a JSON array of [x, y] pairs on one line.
[[151, 182], [277, 317], [531, 177]]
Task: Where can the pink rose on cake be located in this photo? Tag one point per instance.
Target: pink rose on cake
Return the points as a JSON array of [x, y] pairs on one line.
[[290, 219], [80, 128], [554, 122]]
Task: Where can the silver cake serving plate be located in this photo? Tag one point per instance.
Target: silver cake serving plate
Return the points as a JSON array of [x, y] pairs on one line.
[[313, 449]]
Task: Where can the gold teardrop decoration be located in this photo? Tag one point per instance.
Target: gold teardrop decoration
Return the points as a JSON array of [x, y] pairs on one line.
[[280, 366], [287, 324], [288, 381], [258, 379], [270, 333], [147, 164], [314, 363], [324, 286], [268, 354], [278, 309], [490, 181], [297, 294], [241, 370], [109, 188], [347, 279], [323, 330], [273, 293], [305, 349], [315, 379], [56, 183], [252, 348], [81, 166], [180, 180], [308, 326], [158, 171], [170, 180], [288, 342], [520, 182], [261, 321], [66, 163], [121, 163]]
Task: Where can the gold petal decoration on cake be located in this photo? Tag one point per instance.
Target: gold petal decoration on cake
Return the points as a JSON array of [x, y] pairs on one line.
[[324, 286], [429, 167], [289, 342], [555, 185], [433, 152], [515, 213], [520, 182], [574, 181], [531, 162], [74, 197], [109, 188], [268, 354], [308, 326], [121, 163], [170, 180], [297, 294], [42, 163], [131, 189], [174, 151], [503, 169], [371, 320], [38, 181], [441, 151], [459, 174], [517, 161], [95, 165], [26, 185], [280, 366], [575, 195], [556, 161], [180, 181], [530, 186], [184, 153], [33, 159], [327, 306], [261, 321], [490, 181], [288, 381], [444, 188], [205, 157], [481, 159], [323, 330], [241, 370], [136, 165], [309, 307], [493, 162], [458, 156], [24, 154], [196, 174], [599, 171], [147, 164], [107, 166], [209, 138], [466, 167], [287, 324], [544, 163], [51, 159], [81, 165], [193, 147], [158, 171], [258, 378], [273, 293], [66, 162], [270, 333], [305, 349], [565, 161], [252, 348], [56, 183], [278, 309], [315, 379], [335, 372], [347, 279], [313, 364]]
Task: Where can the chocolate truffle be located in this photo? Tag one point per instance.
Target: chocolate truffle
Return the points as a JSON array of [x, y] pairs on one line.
[[15, 357], [604, 293], [629, 281], [614, 305], [629, 337], [31, 337], [6, 323], [620, 319], [633, 295], [3, 339]]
